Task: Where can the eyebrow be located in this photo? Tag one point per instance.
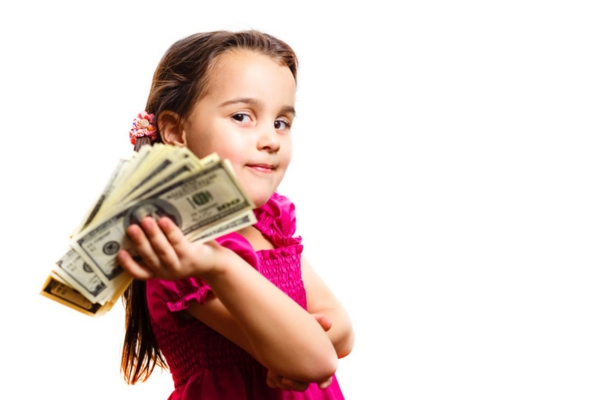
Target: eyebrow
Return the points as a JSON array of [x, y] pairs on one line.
[[255, 102]]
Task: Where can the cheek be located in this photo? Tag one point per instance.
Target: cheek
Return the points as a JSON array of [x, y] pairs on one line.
[[287, 156], [203, 147], [197, 146]]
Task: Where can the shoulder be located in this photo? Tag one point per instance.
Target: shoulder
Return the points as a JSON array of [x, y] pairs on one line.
[[278, 206], [277, 217], [166, 298]]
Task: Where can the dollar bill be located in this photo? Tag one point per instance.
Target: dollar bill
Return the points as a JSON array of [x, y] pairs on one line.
[[232, 225], [201, 201], [167, 159], [202, 196], [147, 155], [59, 291], [79, 275], [175, 171], [108, 188]]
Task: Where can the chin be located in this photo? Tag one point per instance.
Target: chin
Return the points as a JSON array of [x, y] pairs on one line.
[[260, 199]]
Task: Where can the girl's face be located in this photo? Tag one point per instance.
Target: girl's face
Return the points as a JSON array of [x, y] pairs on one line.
[[246, 117]]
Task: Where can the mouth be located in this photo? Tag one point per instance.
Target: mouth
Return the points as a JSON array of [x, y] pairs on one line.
[[264, 168]]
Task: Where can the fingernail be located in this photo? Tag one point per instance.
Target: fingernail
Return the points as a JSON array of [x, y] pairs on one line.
[[146, 222]]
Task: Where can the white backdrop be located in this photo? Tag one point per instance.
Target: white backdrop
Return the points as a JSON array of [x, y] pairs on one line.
[[445, 176]]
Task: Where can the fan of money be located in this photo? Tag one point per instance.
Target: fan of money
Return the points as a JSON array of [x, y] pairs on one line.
[[202, 196]]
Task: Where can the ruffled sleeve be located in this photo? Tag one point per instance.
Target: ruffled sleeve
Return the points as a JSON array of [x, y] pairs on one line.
[[166, 298], [277, 220]]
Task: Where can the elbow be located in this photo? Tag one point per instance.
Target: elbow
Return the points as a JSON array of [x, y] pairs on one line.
[[343, 351], [345, 346], [318, 369], [322, 370], [308, 365], [327, 368]]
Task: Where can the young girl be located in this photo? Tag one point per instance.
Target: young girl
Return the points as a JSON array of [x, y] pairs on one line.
[[245, 316]]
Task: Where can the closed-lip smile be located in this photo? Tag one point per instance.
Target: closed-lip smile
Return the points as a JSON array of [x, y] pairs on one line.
[[262, 167]]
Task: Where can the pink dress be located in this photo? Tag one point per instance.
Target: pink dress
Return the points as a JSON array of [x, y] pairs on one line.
[[203, 363]]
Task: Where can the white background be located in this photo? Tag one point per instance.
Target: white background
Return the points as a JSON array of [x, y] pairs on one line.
[[445, 176]]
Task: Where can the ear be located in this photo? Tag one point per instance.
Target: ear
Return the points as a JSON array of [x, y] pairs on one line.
[[170, 128]]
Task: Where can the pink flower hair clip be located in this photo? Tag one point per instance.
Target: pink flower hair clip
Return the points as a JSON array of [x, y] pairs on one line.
[[143, 126]]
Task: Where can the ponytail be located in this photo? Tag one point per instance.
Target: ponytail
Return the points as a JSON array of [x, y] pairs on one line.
[[140, 348]]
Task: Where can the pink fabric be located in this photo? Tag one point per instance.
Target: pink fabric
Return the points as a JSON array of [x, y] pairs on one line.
[[203, 363]]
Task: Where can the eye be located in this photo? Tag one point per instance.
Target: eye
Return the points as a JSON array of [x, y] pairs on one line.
[[281, 124], [239, 117]]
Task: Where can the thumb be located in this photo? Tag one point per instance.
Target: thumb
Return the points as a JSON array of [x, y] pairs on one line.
[[323, 321]]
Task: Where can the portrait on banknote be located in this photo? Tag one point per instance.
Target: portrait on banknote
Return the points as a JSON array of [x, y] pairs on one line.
[[154, 208]]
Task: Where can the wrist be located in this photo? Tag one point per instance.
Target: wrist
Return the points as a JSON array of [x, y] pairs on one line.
[[224, 259]]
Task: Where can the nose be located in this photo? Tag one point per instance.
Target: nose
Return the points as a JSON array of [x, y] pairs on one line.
[[269, 139]]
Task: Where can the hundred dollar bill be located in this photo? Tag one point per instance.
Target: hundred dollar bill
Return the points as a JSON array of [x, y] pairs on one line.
[[231, 225], [175, 171], [169, 156], [202, 196], [126, 167], [54, 288], [137, 159], [197, 203], [80, 276], [77, 274], [146, 155], [94, 210], [160, 165]]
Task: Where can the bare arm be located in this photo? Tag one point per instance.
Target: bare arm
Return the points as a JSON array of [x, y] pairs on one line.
[[276, 331], [321, 301], [332, 317], [215, 315], [322, 305]]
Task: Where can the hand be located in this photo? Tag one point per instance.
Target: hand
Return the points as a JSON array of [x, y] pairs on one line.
[[166, 253], [277, 381]]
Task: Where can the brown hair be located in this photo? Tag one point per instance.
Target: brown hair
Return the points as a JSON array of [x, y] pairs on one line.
[[183, 74], [180, 80]]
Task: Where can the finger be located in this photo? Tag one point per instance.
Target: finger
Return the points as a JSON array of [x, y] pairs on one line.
[[173, 234], [294, 385], [162, 249], [324, 321], [325, 384], [143, 247], [132, 267], [273, 380]]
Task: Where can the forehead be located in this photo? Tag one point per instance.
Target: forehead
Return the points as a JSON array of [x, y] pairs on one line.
[[248, 70], [236, 56]]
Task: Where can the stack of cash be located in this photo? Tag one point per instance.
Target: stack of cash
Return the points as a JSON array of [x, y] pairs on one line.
[[202, 196]]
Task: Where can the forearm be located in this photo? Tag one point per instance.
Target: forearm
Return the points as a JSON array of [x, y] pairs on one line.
[[321, 301], [283, 337], [341, 333], [279, 333]]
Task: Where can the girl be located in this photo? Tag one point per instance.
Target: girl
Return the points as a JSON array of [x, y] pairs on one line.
[[245, 316]]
